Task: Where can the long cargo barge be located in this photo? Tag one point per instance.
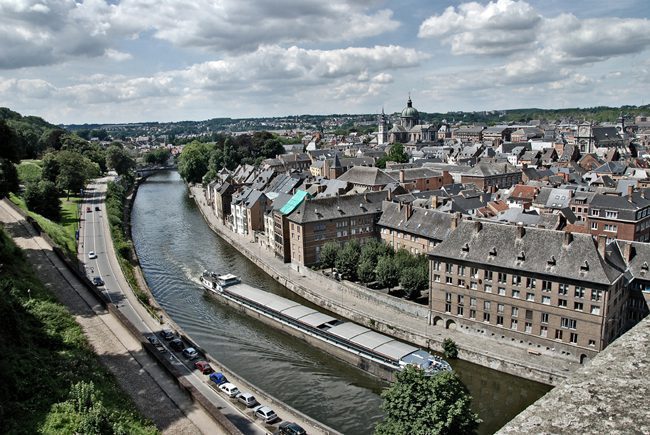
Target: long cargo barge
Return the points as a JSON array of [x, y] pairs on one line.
[[371, 351]]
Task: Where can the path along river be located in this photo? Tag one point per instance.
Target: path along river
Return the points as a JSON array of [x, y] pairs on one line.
[[175, 245]]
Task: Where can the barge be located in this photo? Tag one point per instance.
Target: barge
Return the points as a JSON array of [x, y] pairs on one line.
[[371, 351]]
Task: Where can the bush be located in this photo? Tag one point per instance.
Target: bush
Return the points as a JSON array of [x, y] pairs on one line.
[[43, 198]]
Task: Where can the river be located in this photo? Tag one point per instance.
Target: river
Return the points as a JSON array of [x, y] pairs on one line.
[[175, 245]]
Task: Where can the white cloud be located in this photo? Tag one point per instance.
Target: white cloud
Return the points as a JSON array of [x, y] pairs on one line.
[[116, 55]]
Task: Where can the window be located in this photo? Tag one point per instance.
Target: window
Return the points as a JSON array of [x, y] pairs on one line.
[[573, 338], [486, 317], [596, 294], [473, 285], [531, 282], [500, 320], [474, 272], [436, 265], [513, 324], [461, 299], [487, 288], [543, 331], [578, 306], [500, 308], [563, 289], [528, 327], [595, 309], [611, 228], [592, 342], [515, 311], [558, 334], [486, 305], [449, 280], [487, 275], [461, 270], [436, 278], [546, 300], [472, 302], [544, 317], [594, 212], [448, 297], [472, 314], [448, 267], [530, 296], [611, 214], [529, 314], [561, 303], [461, 283], [447, 308], [580, 292], [546, 286], [502, 291], [502, 278], [516, 279], [515, 294], [568, 323], [459, 311]]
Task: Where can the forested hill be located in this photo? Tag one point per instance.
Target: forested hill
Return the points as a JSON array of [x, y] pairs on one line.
[[33, 133]]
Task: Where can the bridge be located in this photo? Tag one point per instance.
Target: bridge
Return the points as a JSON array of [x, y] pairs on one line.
[[149, 170]]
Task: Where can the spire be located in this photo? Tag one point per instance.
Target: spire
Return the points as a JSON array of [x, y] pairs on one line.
[[409, 103], [337, 162]]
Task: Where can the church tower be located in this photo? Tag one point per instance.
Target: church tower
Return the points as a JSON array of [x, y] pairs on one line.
[[382, 135]]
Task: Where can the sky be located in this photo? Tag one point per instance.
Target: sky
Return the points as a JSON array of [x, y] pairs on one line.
[[115, 61]]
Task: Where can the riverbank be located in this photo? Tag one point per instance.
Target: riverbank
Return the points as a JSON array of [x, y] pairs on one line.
[[395, 317]]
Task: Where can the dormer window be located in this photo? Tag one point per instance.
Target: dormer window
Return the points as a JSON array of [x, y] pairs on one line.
[[521, 256], [551, 261], [584, 267], [493, 252], [466, 247], [645, 265]]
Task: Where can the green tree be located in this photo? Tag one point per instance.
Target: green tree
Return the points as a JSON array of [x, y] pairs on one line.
[[328, 254], [51, 138], [43, 198], [118, 158], [51, 167], [158, 156], [366, 271], [450, 348], [74, 171], [386, 273], [421, 404], [193, 161], [396, 154], [10, 143], [413, 280], [347, 260], [8, 177], [374, 249]]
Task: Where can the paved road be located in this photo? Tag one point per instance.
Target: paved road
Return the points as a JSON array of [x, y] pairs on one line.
[[94, 236]]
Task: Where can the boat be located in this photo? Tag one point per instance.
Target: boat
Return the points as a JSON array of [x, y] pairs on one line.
[[369, 350]]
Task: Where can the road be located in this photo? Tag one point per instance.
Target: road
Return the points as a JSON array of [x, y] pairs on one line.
[[94, 236]]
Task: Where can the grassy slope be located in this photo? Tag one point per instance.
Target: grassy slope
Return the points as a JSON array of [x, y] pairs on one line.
[[44, 352], [29, 170]]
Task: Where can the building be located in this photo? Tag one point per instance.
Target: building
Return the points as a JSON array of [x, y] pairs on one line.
[[621, 217], [421, 179], [492, 176], [470, 133], [370, 178], [408, 129], [340, 219], [549, 291]]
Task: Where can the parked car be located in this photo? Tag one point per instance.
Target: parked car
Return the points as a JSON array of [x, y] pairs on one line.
[[266, 414], [177, 344], [96, 208], [291, 428], [167, 334], [230, 389], [157, 344], [92, 255], [88, 210], [98, 281], [247, 399], [190, 353], [204, 367], [218, 378]]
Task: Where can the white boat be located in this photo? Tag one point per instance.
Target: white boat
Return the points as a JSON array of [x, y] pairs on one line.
[[367, 349]]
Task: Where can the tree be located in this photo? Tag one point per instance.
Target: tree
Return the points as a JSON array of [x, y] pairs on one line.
[[8, 177], [193, 161], [118, 158], [328, 254], [51, 167], [450, 348], [347, 260], [366, 271], [374, 249], [52, 138], [74, 171], [413, 280], [386, 272], [421, 404], [43, 198], [9, 143]]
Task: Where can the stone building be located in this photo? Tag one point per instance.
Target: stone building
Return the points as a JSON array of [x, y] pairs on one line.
[[407, 130]]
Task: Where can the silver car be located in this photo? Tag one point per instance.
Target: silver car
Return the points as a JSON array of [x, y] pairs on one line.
[[265, 413], [247, 399]]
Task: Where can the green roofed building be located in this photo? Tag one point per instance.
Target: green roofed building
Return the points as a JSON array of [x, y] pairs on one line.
[[281, 224]]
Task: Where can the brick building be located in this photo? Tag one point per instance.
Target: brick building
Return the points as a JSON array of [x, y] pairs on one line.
[[492, 176], [621, 217]]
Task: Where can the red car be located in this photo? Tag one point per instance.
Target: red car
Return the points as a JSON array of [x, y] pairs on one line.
[[88, 210], [204, 367]]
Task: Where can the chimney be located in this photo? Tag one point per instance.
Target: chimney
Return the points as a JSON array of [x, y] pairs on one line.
[[627, 251], [434, 201], [568, 238], [520, 230], [630, 189], [401, 175], [455, 220], [408, 210], [602, 244], [477, 226]]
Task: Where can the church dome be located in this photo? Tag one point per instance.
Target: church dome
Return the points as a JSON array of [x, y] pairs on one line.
[[409, 111]]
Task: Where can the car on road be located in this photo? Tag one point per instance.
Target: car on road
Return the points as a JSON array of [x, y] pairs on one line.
[[92, 255], [204, 367], [167, 334], [230, 389], [88, 210], [177, 344], [156, 343], [97, 281], [190, 353], [96, 208], [265, 413], [247, 399], [218, 378], [290, 428]]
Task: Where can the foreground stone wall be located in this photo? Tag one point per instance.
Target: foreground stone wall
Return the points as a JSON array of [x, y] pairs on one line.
[[607, 396]]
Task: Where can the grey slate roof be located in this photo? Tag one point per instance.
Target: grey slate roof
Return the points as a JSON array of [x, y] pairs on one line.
[[538, 245], [430, 224], [553, 198], [367, 176], [337, 207], [489, 169]]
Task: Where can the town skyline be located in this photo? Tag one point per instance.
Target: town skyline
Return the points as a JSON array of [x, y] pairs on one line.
[[122, 61]]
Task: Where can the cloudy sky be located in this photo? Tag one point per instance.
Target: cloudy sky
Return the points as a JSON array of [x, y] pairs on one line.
[[103, 61]]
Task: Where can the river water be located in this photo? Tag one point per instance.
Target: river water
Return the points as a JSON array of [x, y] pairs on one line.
[[175, 245]]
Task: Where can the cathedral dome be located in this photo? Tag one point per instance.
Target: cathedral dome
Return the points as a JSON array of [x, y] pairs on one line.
[[409, 111]]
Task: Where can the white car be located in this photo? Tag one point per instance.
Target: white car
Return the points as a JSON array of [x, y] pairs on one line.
[[230, 389], [266, 414], [92, 255]]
